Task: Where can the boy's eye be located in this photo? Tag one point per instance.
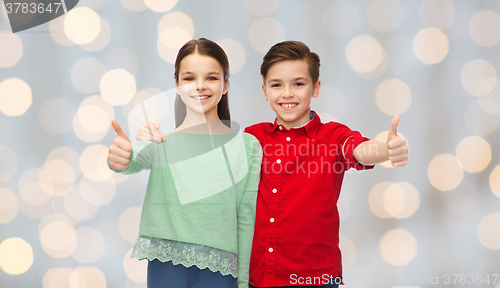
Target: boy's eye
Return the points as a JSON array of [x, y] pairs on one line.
[[275, 85], [299, 84]]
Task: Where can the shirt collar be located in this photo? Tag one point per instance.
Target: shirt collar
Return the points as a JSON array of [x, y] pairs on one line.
[[311, 126]]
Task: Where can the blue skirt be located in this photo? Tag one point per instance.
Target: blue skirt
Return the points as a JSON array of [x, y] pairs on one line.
[[168, 275]]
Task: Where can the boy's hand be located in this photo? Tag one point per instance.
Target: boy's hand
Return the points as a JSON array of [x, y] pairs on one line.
[[119, 152], [396, 146], [150, 131]]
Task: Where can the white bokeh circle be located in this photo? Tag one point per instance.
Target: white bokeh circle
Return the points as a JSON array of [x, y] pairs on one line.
[[86, 74], [264, 33], [439, 14], [431, 45], [102, 38], [393, 97], [160, 6], [118, 87], [398, 247], [340, 19], [15, 97], [82, 25], [478, 77], [364, 53], [385, 15], [11, 49], [483, 28], [474, 153], [55, 116], [260, 8], [235, 52], [445, 172]]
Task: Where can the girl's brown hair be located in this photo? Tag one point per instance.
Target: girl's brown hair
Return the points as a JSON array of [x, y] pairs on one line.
[[291, 50], [209, 48]]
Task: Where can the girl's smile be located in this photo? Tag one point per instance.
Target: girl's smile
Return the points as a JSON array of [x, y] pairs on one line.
[[201, 97]]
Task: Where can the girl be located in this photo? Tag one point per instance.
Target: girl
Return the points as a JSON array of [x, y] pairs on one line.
[[198, 215]]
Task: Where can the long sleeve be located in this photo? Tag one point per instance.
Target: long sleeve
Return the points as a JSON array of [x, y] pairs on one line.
[[143, 156], [246, 216]]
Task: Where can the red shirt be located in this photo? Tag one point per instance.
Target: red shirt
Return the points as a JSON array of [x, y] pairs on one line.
[[297, 222]]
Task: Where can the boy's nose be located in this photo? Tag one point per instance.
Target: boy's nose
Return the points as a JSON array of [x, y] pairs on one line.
[[287, 94]]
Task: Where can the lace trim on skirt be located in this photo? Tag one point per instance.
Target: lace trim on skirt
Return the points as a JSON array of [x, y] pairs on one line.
[[187, 254]]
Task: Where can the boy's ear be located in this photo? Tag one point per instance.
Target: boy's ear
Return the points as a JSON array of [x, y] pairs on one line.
[[265, 91], [316, 89]]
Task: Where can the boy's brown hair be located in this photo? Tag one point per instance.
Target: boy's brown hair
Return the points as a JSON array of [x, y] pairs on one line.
[[291, 50]]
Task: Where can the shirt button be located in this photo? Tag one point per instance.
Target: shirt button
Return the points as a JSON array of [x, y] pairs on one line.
[[271, 250], [287, 138], [271, 220], [275, 190], [279, 127], [278, 161]]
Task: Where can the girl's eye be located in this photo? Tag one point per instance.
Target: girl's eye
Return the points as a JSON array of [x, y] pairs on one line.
[[188, 79], [212, 78]]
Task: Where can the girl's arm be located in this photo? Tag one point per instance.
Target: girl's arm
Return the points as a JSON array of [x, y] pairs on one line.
[[246, 215], [125, 159]]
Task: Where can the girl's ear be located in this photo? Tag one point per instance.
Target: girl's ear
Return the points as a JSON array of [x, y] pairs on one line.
[[316, 89], [177, 88], [226, 87], [265, 91]]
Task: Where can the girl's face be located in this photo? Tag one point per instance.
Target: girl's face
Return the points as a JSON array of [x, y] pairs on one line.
[[201, 83]]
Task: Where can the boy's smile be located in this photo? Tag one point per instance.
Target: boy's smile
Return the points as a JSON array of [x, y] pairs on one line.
[[288, 89]]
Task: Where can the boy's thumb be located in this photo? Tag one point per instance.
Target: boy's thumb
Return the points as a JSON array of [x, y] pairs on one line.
[[394, 125]]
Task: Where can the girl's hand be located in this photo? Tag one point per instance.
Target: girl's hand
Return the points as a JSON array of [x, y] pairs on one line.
[[119, 152], [150, 131], [396, 146]]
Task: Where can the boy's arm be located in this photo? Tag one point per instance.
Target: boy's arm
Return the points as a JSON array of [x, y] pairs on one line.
[[373, 151]]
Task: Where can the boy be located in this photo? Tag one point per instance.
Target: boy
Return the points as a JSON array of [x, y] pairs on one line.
[[296, 233]]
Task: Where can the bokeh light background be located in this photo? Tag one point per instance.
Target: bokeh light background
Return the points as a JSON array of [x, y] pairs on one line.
[[67, 221]]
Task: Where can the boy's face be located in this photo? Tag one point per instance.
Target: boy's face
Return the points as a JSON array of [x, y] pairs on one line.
[[288, 89]]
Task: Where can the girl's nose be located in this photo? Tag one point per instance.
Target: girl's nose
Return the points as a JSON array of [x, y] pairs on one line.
[[200, 85]]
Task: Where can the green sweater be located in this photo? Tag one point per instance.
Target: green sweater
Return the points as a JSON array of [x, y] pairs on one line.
[[202, 189]]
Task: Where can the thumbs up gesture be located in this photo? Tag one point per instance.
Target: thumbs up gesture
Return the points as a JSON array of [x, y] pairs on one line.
[[396, 146], [119, 151], [150, 131]]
